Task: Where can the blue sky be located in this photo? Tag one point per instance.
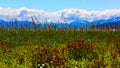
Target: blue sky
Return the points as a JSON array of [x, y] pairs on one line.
[[55, 5]]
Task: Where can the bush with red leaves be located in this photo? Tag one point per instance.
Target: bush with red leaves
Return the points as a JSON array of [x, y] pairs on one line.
[[51, 57], [80, 48]]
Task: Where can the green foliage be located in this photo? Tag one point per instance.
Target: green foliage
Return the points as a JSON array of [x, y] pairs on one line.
[[66, 48]]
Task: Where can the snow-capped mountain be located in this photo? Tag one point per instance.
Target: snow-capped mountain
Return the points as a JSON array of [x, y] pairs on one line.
[[62, 16], [24, 14]]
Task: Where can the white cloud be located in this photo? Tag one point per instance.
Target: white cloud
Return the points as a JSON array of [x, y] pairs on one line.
[[66, 15]]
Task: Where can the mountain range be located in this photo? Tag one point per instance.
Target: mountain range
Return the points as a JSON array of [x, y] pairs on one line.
[[74, 17]]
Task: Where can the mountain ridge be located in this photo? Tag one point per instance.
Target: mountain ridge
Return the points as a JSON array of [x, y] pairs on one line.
[[62, 16]]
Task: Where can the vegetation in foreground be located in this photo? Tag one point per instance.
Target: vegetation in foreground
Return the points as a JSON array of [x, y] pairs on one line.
[[59, 49]]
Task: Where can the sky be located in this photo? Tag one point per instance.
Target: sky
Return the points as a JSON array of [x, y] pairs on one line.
[[55, 5]]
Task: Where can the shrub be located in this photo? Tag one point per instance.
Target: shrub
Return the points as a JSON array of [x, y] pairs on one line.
[[47, 57], [80, 48]]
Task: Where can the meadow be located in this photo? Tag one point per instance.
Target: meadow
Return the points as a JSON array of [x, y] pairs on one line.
[[47, 48]]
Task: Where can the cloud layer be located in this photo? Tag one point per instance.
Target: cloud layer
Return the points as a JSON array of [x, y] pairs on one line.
[[66, 15]]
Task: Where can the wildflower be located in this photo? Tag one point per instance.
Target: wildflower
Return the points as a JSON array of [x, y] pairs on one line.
[[119, 51], [103, 49], [43, 65], [58, 61], [49, 59], [113, 54], [5, 45], [58, 56], [68, 45], [76, 44], [55, 50], [90, 45]]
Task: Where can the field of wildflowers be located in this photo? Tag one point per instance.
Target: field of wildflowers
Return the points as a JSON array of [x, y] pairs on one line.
[[59, 49]]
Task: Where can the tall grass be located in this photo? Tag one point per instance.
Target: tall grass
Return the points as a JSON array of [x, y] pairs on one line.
[[50, 47]]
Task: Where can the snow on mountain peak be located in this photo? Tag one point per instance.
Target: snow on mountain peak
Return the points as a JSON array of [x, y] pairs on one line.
[[89, 15], [66, 15]]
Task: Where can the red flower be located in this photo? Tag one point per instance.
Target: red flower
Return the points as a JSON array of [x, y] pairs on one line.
[[119, 51], [76, 44], [5, 45], [55, 50], [68, 45], [90, 45], [58, 56], [113, 54]]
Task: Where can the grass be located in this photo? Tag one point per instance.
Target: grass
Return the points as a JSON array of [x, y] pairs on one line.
[[59, 48]]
